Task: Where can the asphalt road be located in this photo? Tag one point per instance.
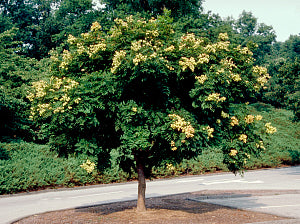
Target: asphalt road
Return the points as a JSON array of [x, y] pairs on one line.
[[14, 207]]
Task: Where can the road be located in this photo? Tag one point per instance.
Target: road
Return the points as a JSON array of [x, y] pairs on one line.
[[17, 206]]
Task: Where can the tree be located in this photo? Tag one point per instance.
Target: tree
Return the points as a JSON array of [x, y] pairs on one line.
[[146, 93], [283, 89], [249, 30], [178, 8], [16, 71]]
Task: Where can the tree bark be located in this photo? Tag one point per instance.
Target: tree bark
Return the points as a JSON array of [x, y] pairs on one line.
[[141, 205]]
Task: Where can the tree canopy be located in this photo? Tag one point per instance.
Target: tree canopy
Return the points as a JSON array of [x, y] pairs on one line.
[[149, 94]]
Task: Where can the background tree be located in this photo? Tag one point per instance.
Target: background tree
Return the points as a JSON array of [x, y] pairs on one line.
[[250, 31], [178, 8], [16, 72]]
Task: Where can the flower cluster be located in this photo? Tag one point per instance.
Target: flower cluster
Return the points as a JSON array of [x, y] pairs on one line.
[[118, 57], [181, 125], [88, 166], [169, 49], [243, 138], [95, 26], [67, 58], [228, 63], [152, 33], [263, 75], [174, 148], [233, 152], [139, 58], [94, 49], [258, 117], [270, 128], [189, 41], [121, 22], [222, 45], [244, 50], [201, 79], [71, 39], [136, 45], [203, 58], [209, 131], [223, 36], [234, 121], [260, 145], [235, 77], [187, 63], [224, 115], [249, 119], [40, 90], [215, 97]]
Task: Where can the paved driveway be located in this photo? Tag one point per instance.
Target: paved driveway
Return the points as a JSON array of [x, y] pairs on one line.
[[285, 180]]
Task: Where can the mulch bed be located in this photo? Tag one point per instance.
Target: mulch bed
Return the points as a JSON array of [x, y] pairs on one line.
[[180, 208]]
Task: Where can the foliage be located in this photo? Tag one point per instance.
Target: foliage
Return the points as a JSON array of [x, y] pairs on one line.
[[147, 93], [31, 166], [16, 72], [284, 88], [250, 31], [28, 166], [284, 146], [178, 8]]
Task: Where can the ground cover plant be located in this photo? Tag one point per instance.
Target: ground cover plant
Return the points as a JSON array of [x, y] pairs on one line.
[[28, 166]]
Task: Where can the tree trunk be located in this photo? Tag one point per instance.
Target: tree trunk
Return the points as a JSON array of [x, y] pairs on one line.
[[141, 205]]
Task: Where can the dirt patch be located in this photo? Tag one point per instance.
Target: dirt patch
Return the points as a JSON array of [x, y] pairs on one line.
[[180, 208]]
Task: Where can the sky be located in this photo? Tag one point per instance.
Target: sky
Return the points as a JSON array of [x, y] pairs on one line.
[[282, 15]]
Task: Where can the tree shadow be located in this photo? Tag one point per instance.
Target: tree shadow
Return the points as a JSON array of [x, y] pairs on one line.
[[187, 202]]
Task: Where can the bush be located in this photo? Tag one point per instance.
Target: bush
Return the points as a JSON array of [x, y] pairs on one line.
[[31, 166]]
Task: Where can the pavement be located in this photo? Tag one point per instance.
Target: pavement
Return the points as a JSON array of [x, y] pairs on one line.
[[283, 203], [274, 191]]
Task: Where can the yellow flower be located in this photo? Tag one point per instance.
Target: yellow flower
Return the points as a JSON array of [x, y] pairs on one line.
[[169, 49], [203, 58], [215, 97], [174, 148], [172, 143], [118, 57], [94, 49], [249, 119], [71, 39], [136, 45], [234, 121], [181, 125], [233, 152], [270, 129], [77, 100], [210, 131], [88, 166], [187, 63], [95, 26], [243, 138], [228, 63], [170, 166], [260, 145], [139, 58], [134, 109], [223, 36], [201, 79], [236, 77], [224, 115], [258, 117]]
